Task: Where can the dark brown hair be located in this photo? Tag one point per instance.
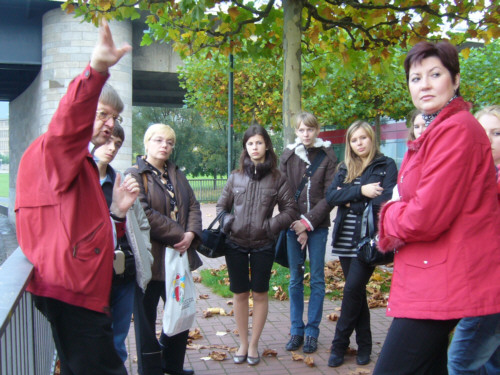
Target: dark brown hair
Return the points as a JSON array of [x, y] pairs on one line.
[[118, 132], [446, 52], [271, 161]]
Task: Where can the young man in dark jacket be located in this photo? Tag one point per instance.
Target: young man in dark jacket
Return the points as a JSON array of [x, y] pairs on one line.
[[311, 231]]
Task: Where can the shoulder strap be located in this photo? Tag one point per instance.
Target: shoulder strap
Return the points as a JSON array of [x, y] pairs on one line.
[[145, 182], [309, 172]]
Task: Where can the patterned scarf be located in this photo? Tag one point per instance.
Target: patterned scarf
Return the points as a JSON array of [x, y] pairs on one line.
[[429, 118]]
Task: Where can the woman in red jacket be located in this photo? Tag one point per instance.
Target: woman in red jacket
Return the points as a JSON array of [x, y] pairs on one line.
[[445, 226]]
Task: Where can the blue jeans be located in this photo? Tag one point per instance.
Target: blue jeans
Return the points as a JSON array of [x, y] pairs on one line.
[[122, 305], [316, 244], [475, 348]]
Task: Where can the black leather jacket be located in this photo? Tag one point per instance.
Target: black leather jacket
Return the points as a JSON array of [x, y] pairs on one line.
[[383, 170]]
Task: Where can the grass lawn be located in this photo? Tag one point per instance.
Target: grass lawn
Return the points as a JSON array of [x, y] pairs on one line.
[[377, 288], [4, 185]]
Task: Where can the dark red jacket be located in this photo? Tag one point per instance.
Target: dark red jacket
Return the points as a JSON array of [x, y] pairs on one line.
[[446, 225], [62, 219]]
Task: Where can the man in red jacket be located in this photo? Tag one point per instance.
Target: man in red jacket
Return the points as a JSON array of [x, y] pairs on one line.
[[63, 222]]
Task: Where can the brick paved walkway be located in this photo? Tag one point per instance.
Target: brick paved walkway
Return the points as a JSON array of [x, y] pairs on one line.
[[275, 335]]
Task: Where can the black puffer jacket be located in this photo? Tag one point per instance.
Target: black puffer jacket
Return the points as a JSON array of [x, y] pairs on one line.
[[383, 170], [164, 230], [252, 224]]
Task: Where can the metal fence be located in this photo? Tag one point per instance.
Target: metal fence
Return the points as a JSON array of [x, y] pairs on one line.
[[207, 190], [26, 344]]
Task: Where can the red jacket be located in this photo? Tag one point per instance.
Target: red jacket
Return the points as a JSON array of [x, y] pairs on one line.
[[62, 219], [446, 225]]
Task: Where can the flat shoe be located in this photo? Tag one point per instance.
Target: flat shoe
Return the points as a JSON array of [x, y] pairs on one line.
[[252, 361], [239, 359]]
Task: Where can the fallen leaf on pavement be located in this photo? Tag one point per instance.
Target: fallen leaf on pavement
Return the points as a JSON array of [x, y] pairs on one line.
[[297, 357], [333, 317], [197, 279], [230, 302], [204, 296], [309, 361], [195, 334], [269, 353], [218, 356]]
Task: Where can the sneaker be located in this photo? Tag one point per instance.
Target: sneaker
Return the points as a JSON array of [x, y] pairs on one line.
[[295, 342], [311, 345]]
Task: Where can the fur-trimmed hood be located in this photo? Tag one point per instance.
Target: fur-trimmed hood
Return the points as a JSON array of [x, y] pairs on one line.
[[300, 150]]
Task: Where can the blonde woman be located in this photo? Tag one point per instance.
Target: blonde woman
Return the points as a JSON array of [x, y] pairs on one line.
[[365, 175], [175, 219]]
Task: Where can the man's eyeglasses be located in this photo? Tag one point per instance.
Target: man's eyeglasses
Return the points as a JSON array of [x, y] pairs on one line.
[[105, 116]]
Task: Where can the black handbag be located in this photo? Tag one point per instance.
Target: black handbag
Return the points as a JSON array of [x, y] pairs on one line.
[[281, 255], [280, 250], [213, 240], [366, 250]]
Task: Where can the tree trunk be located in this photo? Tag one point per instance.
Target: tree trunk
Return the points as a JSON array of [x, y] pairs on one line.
[[377, 129], [292, 72]]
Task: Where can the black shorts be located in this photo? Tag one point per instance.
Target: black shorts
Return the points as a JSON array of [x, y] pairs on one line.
[[249, 269]]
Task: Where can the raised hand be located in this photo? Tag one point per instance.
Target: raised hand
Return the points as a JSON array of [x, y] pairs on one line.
[[105, 53], [124, 195]]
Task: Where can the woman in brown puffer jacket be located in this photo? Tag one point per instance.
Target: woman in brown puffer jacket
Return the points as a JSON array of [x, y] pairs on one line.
[[175, 219], [251, 193]]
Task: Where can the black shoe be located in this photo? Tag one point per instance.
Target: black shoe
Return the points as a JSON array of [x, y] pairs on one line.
[[311, 345], [335, 360], [295, 342], [177, 372], [363, 359]]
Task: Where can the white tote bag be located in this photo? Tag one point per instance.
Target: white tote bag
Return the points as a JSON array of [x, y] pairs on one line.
[[180, 304]]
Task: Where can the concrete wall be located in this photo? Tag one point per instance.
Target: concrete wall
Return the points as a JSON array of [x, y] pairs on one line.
[[157, 57], [66, 48]]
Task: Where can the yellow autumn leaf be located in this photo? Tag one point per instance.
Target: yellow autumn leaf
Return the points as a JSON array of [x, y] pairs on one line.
[[233, 13], [465, 53], [322, 72]]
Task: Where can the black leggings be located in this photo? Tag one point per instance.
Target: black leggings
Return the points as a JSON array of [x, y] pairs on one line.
[[415, 347]]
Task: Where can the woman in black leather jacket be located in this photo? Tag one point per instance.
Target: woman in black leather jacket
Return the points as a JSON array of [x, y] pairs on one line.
[[365, 175]]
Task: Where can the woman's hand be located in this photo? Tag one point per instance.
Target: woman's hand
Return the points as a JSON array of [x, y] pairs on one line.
[[298, 227], [372, 190], [302, 239], [185, 243]]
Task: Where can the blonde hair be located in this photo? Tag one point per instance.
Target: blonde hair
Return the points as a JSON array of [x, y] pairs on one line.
[[161, 129], [355, 165], [493, 110], [308, 119]]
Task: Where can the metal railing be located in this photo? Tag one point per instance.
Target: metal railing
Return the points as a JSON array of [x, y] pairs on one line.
[[26, 344], [207, 190]]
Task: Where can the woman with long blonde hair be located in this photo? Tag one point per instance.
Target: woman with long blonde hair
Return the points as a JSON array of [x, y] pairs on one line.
[[365, 175]]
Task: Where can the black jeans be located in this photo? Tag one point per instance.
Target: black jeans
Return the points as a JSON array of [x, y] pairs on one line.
[[415, 347], [83, 338], [155, 356], [355, 314]]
